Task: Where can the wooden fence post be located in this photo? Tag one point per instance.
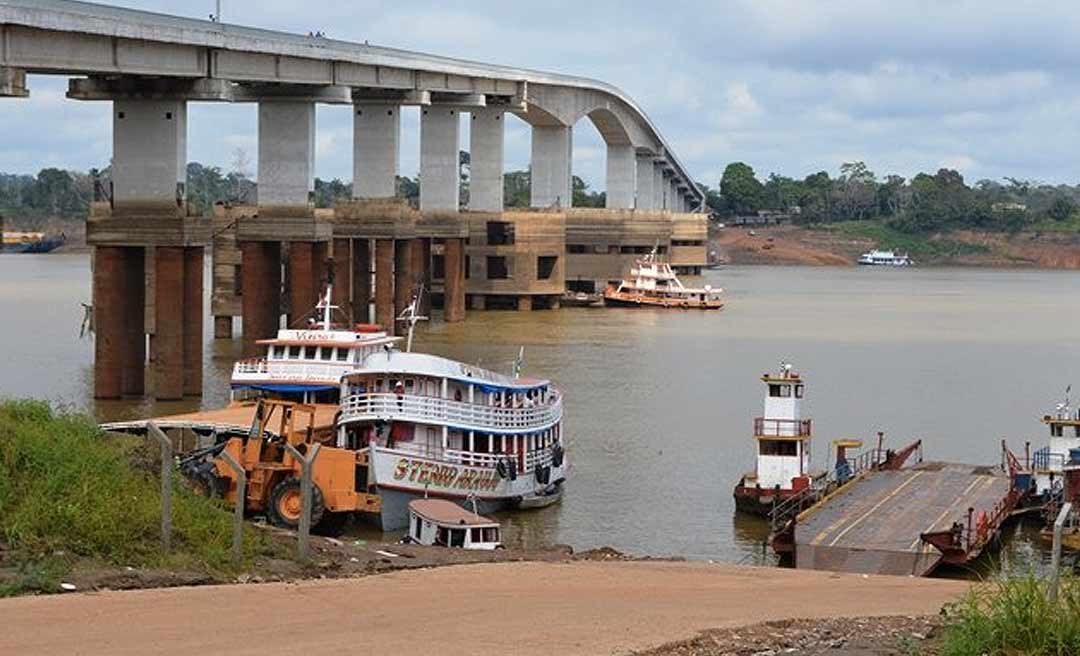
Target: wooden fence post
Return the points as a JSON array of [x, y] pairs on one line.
[[303, 539], [166, 483], [238, 510]]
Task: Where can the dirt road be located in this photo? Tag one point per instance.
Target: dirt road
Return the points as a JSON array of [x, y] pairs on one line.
[[509, 608]]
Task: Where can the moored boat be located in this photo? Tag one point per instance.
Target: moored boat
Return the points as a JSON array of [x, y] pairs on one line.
[[306, 364], [32, 242], [654, 283], [885, 258], [442, 523], [783, 440], [441, 428]]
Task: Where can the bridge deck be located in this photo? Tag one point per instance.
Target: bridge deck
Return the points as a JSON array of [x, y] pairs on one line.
[[873, 525]]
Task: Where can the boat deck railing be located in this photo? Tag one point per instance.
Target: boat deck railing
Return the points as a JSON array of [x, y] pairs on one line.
[[532, 459], [764, 427], [292, 371], [1045, 460], [437, 410]]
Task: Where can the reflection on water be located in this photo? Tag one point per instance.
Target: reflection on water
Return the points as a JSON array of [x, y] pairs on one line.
[[659, 404]]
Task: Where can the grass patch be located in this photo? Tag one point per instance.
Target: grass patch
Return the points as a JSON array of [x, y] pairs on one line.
[[917, 246], [1012, 616], [69, 494], [1070, 226]]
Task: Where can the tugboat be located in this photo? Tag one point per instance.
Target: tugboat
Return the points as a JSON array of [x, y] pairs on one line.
[[1048, 463], [782, 468], [439, 428], [885, 258], [305, 365], [655, 284]]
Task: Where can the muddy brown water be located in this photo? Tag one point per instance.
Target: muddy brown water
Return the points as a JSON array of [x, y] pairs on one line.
[[659, 404]]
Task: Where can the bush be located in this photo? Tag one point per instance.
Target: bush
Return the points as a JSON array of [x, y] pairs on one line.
[[69, 492], [1013, 616]]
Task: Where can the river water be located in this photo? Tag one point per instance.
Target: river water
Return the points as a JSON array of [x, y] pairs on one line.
[[659, 404]]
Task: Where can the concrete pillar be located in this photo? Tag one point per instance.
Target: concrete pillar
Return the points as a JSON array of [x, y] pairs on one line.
[[403, 275], [454, 280], [376, 150], [342, 279], [384, 283], [149, 165], [645, 198], [621, 174], [223, 327], [360, 300], [486, 140], [286, 153], [169, 324], [193, 320], [307, 265], [421, 272], [119, 339], [550, 179], [659, 185], [524, 303], [440, 146], [673, 195], [260, 300]]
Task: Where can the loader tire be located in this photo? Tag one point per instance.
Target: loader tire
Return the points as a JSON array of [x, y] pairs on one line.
[[284, 509]]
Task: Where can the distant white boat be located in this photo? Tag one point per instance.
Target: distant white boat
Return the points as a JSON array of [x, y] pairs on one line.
[[885, 258]]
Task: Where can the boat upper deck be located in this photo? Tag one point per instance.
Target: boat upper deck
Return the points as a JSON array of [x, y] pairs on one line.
[[874, 524]]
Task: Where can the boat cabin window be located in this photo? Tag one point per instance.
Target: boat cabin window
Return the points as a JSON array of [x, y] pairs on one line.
[[416, 528], [342, 354], [457, 537], [277, 352], [475, 535], [777, 390], [798, 391], [500, 233], [545, 265], [294, 352], [1057, 430], [779, 448], [326, 353]]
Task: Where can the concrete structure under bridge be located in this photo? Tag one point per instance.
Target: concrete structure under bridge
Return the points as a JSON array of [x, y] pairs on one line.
[[151, 66]]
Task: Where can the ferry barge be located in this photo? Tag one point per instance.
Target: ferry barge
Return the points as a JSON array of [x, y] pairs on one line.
[[655, 284], [783, 445]]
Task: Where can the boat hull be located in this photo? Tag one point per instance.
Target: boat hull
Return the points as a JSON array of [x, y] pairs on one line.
[[759, 501], [623, 299], [401, 477]]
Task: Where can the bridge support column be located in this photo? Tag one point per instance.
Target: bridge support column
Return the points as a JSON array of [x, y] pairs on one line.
[[421, 271], [119, 302], [524, 303], [454, 280], [360, 299], [621, 174], [376, 140], [644, 199], [169, 325], [440, 144], [260, 299], [307, 260], [659, 185], [13, 83], [403, 274], [193, 320], [551, 166], [486, 142], [384, 283], [673, 195]]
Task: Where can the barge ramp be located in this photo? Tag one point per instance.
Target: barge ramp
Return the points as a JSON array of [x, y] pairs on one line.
[[904, 521]]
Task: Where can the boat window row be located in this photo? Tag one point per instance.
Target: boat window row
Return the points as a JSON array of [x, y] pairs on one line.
[[783, 390], [1058, 430], [452, 389], [778, 447], [310, 353]]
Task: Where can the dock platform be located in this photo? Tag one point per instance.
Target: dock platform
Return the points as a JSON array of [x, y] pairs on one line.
[[904, 521]]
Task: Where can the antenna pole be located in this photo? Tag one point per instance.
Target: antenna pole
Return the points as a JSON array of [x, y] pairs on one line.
[[217, 12]]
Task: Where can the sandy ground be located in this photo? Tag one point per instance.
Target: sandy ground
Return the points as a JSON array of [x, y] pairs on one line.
[[513, 608]]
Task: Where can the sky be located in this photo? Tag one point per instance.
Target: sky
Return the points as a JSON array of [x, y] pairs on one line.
[[989, 88]]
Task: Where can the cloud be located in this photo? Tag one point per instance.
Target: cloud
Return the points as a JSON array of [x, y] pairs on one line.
[[990, 87]]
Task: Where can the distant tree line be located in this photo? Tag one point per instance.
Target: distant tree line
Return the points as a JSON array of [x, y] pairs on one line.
[[926, 203]]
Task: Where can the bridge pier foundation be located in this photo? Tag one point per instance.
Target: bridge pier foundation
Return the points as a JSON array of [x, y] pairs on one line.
[[120, 341], [261, 294], [360, 294], [342, 271], [454, 280], [551, 162], [659, 184], [403, 275]]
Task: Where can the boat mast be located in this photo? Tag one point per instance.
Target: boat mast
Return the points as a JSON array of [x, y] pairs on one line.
[[411, 315]]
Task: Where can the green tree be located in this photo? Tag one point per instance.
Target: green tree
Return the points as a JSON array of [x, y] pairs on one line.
[[582, 197], [1061, 209], [740, 189], [516, 189]]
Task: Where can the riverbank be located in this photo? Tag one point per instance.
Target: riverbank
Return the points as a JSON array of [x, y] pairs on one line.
[[522, 608], [841, 244]]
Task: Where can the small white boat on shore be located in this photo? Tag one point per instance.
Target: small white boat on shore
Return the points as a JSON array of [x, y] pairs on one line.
[[885, 258], [442, 523]]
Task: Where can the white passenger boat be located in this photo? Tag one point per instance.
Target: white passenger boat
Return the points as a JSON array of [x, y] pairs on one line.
[[442, 523], [653, 283], [445, 429], [306, 364], [885, 258]]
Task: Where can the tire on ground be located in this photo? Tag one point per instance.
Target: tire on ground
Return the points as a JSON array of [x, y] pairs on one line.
[[284, 506]]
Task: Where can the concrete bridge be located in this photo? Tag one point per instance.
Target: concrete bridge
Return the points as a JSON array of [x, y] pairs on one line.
[[150, 66]]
